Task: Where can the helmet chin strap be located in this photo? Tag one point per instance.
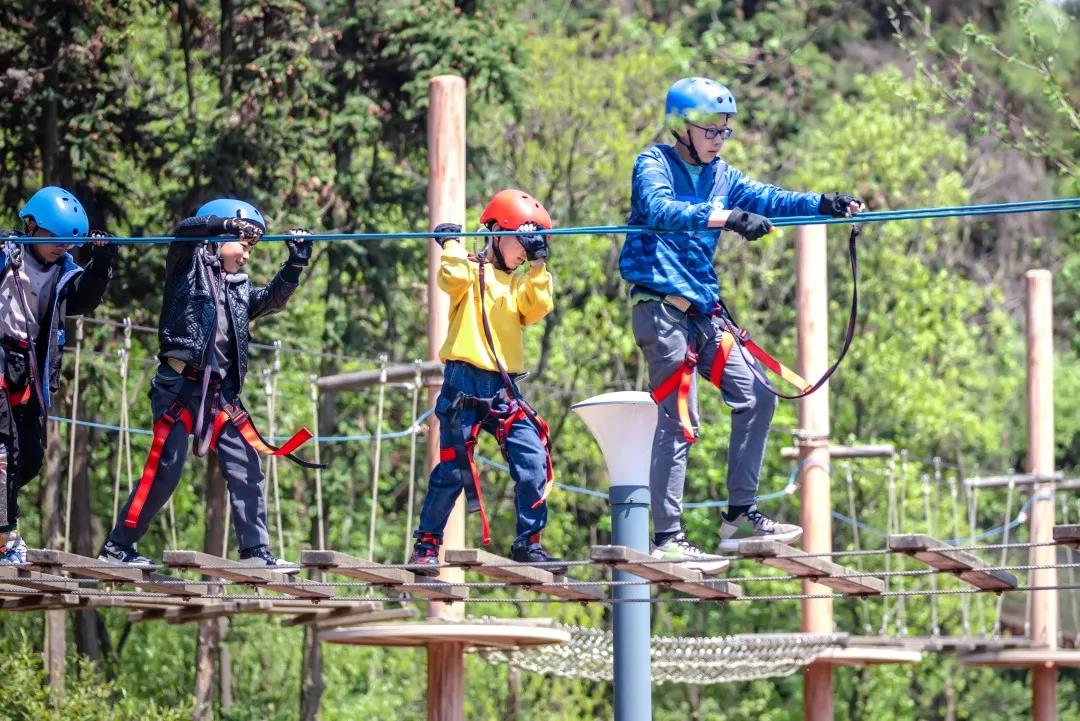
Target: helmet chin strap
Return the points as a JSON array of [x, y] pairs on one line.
[[690, 147], [500, 261], [493, 248]]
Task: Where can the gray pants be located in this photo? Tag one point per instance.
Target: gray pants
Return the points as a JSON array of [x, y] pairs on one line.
[[663, 334], [238, 461]]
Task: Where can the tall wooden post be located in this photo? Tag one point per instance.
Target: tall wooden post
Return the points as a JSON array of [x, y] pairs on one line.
[[1043, 620], [812, 314], [446, 204]]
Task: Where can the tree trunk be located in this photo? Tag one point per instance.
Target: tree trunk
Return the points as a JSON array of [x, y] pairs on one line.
[[311, 680], [88, 624], [184, 17], [208, 645], [52, 537], [226, 39]]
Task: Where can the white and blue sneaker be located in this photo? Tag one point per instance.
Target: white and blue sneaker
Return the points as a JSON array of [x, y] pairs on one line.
[[13, 552], [680, 550], [753, 524]]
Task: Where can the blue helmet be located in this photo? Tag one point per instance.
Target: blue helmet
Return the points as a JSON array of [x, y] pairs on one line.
[[698, 96], [57, 211], [232, 208]]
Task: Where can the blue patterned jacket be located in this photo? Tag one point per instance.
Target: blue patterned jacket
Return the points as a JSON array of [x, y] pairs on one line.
[[679, 259]]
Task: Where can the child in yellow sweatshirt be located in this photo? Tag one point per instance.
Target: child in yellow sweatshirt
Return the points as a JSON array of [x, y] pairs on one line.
[[490, 303]]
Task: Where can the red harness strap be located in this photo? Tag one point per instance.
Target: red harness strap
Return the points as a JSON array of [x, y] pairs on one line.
[[681, 380], [772, 364], [15, 399], [516, 413], [162, 429], [242, 420], [450, 455]]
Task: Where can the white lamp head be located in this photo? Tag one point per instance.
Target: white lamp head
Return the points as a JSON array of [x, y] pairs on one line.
[[623, 423]]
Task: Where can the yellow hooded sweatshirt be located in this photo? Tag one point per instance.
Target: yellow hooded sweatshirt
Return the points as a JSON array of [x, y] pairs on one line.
[[513, 300]]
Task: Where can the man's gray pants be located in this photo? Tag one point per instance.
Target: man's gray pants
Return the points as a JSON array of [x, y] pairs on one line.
[[663, 334], [238, 461]]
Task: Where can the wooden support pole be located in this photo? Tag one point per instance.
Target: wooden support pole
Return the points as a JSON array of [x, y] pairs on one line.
[[430, 372], [1043, 620], [55, 641], [446, 681], [812, 318], [446, 204]]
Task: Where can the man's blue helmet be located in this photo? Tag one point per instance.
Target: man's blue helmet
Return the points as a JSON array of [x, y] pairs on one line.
[[232, 208], [57, 211], [698, 97]]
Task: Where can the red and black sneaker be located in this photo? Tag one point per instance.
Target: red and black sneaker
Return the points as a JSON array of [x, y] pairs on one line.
[[424, 560]]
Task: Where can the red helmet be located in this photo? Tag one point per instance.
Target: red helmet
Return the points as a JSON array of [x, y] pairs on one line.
[[512, 208]]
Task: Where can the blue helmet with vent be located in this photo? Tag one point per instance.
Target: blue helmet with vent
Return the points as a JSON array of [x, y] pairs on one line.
[[57, 211], [232, 208], [694, 97]]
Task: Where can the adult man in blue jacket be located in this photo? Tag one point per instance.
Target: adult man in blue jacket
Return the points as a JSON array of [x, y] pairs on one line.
[[690, 195]]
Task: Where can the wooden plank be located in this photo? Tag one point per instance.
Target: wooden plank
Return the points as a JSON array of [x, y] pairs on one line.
[[672, 575], [230, 570], [54, 561], [940, 555], [818, 568], [1068, 536], [379, 575], [208, 612], [38, 602], [171, 585], [520, 574], [26, 578], [332, 618]]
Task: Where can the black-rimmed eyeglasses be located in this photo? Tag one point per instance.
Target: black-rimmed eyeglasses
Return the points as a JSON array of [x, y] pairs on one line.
[[711, 133]]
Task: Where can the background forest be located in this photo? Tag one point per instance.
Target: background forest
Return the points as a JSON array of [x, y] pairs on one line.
[[315, 110]]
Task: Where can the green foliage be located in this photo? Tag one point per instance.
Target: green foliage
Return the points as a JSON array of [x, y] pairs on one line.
[[316, 111], [25, 696]]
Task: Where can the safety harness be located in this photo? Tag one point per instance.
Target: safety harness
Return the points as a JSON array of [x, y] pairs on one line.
[[21, 345], [211, 405], [228, 412], [501, 419], [732, 336]]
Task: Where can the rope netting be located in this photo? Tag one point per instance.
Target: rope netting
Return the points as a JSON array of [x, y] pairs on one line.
[[685, 660]]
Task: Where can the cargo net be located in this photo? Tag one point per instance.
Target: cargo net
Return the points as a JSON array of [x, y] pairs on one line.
[[689, 660]]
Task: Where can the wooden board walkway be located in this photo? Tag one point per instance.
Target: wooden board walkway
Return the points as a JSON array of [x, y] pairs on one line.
[[672, 575], [144, 578], [943, 557], [398, 579], [520, 574], [816, 568], [260, 576]]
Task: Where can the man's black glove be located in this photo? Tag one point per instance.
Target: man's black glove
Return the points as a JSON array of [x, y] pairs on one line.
[[749, 225], [299, 247], [838, 205], [446, 228], [243, 228]]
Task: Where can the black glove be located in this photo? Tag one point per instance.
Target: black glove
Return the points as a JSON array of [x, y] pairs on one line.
[[749, 225], [838, 205], [446, 228], [536, 246], [243, 228], [106, 251], [299, 247]]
